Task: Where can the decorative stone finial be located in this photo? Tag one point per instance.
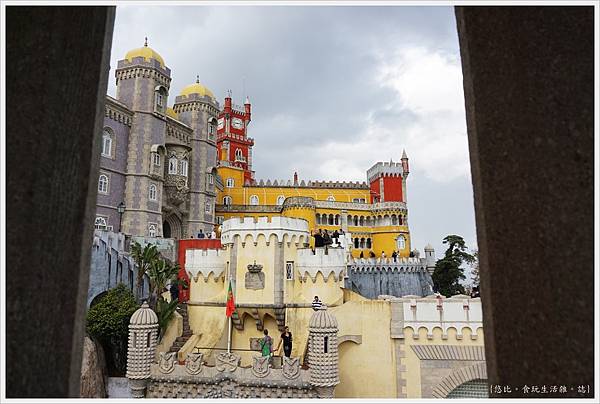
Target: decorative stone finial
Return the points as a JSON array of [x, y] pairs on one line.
[[146, 41], [197, 79]]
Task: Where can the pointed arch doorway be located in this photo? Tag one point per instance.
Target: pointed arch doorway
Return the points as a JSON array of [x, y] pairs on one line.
[[172, 227]]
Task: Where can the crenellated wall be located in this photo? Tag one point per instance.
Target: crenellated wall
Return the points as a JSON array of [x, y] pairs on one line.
[[295, 229]]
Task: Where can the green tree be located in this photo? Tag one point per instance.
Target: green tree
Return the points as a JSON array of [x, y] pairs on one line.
[[161, 273], [108, 320], [144, 257], [448, 272]]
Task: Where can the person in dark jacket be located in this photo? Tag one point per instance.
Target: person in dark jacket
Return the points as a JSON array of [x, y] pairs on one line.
[[318, 239], [286, 337], [174, 289]]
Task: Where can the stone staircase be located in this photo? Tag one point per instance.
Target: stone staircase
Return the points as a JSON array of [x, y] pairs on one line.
[[187, 331]]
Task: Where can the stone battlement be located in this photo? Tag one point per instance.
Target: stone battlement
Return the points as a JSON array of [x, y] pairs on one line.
[[459, 312], [284, 228], [385, 168], [308, 184], [387, 263], [204, 262], [311, 264]]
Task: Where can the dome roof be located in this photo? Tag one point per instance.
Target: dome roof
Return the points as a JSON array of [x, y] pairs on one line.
[[197, 88], [144, 316], [171, 112], [323, 320], [145, 52], [428, 247]]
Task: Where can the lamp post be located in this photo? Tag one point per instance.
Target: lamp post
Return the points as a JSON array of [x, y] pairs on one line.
[[121, 210]]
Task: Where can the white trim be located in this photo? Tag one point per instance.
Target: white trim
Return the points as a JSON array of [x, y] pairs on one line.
[[103, 189], [153, 189]]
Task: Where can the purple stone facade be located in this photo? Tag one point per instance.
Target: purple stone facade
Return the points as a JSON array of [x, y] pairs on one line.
[[158, 202]]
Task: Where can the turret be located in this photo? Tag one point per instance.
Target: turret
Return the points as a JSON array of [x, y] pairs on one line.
[[430, 258], [143, 335], [247, 109], [323, 352], [404, 161]]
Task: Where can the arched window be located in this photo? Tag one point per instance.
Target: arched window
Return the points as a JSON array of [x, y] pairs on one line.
[[184, 167], [356, 242], [369, 243], [362, 243], [212, 128], [238, 155], [103, 184], [337, 219], [330, 198], [355, 219], [156, 159], [107, 141], [227, 200], [152, 229], [254, 200], [152, 192], [361, 221], [330, 221], [160, 99], [100, 223], [280, 199], [173, 165], [394, 220], [401, 242], [325, 343], [230, 182]]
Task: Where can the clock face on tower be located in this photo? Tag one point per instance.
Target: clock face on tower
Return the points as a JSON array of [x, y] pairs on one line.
[[220, 123], [237, 123]]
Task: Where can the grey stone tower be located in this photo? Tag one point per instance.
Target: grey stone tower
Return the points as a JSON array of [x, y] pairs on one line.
[[323, 352], [143, 335], [197, 107], [143, 82]]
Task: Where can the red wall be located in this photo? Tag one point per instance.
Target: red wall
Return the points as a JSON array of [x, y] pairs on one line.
[[375, 191], [194, 244], [392, 189]]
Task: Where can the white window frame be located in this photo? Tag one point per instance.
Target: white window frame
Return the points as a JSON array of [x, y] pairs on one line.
[[238, 154], [184, 167], [280, 198], [207, 207], [106, 143], [254, 200], [152, 229], [156, 159], [211, 179], [227, 200], [173, 163], [230, 182], [289, 270], [101, 223], [153, 192], [401, 242], [103, 186]]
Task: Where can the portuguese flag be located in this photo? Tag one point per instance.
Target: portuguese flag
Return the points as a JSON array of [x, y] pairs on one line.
[[230, 308]]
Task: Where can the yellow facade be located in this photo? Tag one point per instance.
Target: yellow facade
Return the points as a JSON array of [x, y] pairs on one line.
[[339, 203]]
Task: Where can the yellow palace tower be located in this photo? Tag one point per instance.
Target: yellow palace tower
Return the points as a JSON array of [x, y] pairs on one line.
[[373, 215]]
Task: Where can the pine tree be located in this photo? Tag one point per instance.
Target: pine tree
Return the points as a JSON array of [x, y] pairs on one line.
[[448, 272]]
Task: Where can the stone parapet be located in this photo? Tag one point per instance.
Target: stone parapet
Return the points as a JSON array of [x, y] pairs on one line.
[[309, 263], [204, 262], [284, 228], [459, 312]]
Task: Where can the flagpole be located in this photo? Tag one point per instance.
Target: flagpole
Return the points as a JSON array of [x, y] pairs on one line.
[[229, 323]]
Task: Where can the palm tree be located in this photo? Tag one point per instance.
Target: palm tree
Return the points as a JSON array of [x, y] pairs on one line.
[[144, 258], [162, 271]]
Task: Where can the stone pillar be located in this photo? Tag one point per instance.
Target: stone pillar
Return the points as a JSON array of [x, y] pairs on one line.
[[143, 336], [56, 81], [529, 96]]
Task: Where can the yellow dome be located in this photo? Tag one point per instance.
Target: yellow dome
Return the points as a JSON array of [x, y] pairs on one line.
[[196, 88], [171, 112], [145, 52]]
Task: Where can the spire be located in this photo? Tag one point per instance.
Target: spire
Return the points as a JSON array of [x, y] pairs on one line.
[[197, 79], [404, 156], [247, 100], [146, 41]]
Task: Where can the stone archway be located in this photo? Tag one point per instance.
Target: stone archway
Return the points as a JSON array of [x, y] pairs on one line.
[[458, 377], [172, 227]]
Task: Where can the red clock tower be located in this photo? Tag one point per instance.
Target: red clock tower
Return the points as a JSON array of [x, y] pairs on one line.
[[234, 148]]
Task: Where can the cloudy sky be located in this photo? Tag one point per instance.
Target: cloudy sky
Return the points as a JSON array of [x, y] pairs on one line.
[[333, 91]]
